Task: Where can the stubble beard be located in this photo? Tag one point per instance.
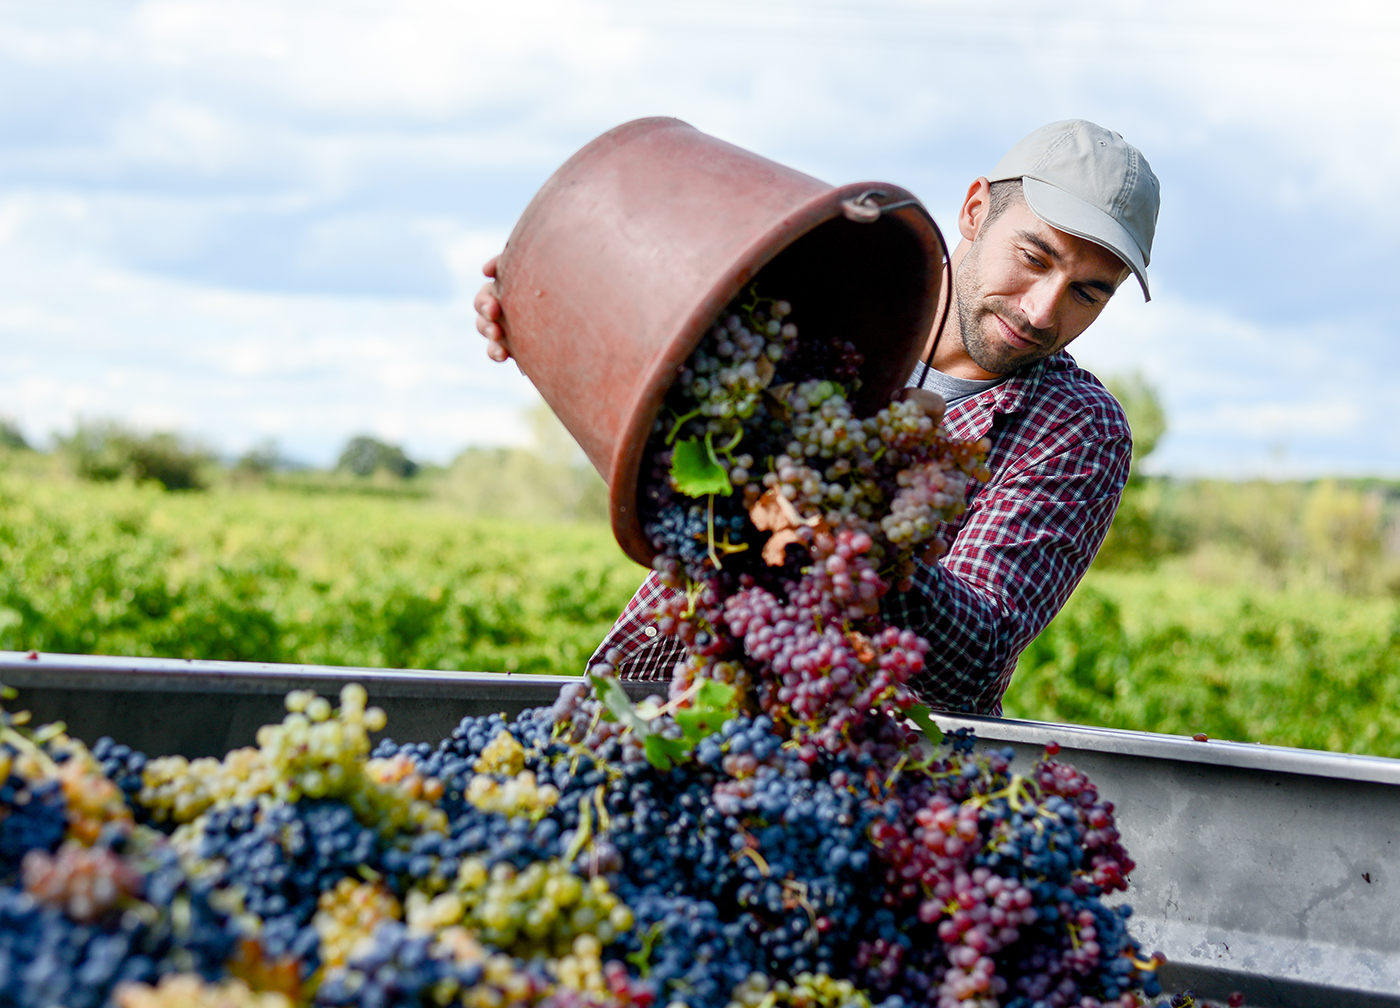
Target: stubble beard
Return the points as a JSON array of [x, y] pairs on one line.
[[975, 315]]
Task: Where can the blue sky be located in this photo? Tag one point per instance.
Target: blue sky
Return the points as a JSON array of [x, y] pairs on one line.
[[246, 219]]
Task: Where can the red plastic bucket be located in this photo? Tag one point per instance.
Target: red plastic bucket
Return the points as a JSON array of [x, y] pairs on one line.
[[624, 258]]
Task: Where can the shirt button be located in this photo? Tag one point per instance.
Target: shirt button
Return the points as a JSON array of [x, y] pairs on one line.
[[650, 631]]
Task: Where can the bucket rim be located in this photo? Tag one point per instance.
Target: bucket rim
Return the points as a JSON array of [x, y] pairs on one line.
[[661, 371]]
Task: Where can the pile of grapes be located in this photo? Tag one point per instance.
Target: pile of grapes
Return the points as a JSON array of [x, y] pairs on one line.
[[788, 829]]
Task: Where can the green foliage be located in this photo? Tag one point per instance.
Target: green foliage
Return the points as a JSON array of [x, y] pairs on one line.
[[275, 576], [696, 471], [1344, 529], [108, 451], [11, 437], [1342, 534], [1166, 653], [552, 481], [257, 463], [516, 484], [711, 704], [365, 456], [1143, 406], [1269, 612]]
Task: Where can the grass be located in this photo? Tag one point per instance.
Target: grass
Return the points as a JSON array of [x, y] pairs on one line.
[[1167, 652], [256, 572]]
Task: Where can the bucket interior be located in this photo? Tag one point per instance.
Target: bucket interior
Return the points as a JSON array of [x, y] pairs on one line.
[[875, 284]]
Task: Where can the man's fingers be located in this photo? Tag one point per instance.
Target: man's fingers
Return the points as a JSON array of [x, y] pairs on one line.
[[488, 315], [487, 304]]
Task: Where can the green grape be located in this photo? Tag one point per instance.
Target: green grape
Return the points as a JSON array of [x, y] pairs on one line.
[[189, 990]]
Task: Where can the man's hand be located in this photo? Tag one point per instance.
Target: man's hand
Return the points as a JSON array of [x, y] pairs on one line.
[[488, 315]]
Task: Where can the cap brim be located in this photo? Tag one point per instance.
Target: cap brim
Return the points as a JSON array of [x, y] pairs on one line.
[[1072, 215]]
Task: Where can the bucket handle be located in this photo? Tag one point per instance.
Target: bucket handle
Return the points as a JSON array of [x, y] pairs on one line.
[[864, 209]]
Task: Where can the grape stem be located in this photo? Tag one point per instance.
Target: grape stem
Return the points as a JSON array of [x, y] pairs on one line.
[[680, 420], [584, 833], [642, 957], [757, 859], [604, 820], [23, 744], [675, 703], [733, 443], [724, 545], [795, 895], [895, 772]]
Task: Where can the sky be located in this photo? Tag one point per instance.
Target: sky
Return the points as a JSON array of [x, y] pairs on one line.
[[246, 220]]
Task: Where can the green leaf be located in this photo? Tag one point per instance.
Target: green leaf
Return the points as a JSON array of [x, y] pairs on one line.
[[696, 472], [615, 699], [698, 722], [713, 693], [920, 716], [664, 753], [710, 708]]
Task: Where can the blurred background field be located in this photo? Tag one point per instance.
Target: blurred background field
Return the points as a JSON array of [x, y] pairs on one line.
[[1255, 611]]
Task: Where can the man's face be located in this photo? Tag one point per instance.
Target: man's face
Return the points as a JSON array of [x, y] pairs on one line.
[[1025, 290]]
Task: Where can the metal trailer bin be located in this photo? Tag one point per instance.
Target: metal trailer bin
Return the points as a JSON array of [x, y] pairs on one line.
[[1271, 871]]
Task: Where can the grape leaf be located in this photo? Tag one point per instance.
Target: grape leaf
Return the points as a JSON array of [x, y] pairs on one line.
[[618, 704], [664, 753], [766, 370], [713, 693], [696, 472], [776, 399], [920, 716], [708, 711], [698, 722]]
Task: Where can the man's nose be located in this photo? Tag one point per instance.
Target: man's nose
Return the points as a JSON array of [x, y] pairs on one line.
[[1038, 303]]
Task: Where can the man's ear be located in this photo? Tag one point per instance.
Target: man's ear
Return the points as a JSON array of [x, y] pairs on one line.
[[974, 208]]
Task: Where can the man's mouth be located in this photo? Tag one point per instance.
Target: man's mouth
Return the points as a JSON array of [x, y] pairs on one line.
[[1013, 336]]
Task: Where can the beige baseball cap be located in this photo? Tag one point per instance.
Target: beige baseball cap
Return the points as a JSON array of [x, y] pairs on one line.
[[1088, 181]]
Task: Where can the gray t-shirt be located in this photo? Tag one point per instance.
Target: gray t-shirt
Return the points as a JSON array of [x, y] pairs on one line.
[[950, 388]]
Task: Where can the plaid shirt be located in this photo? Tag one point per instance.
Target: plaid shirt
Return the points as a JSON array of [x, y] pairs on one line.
[[1059, 459]]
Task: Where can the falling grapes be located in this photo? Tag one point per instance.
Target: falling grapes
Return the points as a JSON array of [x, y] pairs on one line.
[[785, 829]]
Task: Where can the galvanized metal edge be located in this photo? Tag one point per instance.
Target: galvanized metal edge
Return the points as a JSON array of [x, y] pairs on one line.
[[106, 672], [127, 674], [1243, 755]]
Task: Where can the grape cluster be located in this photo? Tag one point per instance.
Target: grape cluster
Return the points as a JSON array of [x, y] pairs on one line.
[[766, 413], [317, 752], [761, 868], [187, 990], [87, 883]]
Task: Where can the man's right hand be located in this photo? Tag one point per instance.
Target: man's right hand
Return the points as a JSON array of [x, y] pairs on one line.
[[488, 315]]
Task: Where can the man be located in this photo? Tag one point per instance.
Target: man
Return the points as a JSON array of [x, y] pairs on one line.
[[1047, 238]]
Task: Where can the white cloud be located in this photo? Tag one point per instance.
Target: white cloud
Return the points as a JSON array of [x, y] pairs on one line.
[[266, 218], [81, 340]]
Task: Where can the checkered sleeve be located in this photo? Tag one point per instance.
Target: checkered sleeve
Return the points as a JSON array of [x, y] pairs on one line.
[[643, 653], [1023, 545]]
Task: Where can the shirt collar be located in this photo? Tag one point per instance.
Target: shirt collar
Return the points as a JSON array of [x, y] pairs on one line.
[[972, 417]]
